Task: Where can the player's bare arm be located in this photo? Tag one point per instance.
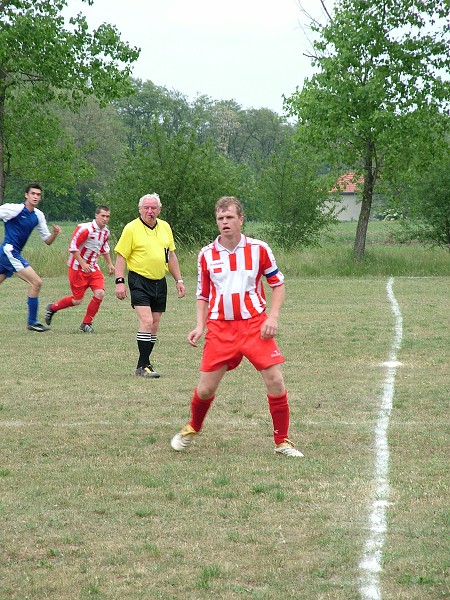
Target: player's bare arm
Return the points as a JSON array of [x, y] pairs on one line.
[[270, 326], [110, 264], [202, 314], [51, 238]]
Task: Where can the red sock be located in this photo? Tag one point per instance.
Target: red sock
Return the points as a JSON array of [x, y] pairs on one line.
[[279, 410], [92, 309], [63, 303], [199, 408]]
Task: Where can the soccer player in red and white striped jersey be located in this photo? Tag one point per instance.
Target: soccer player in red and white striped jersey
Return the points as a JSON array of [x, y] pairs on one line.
[[231, 306], [89, 240]]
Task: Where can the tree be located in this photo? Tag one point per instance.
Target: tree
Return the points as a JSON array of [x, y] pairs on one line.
[[379, 88], [210, 135], [295, 196], [258, 136], [42, 60], [39, 148], [188, 176], [149, 102], [99, 137], [245, 136], [424, 200]]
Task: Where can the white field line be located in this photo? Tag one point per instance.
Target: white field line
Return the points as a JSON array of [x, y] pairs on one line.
[[370, 565]]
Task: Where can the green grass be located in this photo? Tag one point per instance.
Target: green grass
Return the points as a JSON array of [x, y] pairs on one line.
[[95, 504], [334, 258]]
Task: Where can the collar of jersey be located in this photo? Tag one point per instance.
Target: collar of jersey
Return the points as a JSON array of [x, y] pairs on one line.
[[240, 244], [148, 226]]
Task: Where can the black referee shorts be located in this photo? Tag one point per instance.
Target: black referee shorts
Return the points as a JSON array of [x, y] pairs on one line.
[[147, 292]]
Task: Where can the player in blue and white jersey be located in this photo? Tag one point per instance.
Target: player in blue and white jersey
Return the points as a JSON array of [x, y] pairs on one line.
[[20, 220]]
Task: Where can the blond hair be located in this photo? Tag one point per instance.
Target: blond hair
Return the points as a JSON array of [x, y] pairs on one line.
[[227, 201]]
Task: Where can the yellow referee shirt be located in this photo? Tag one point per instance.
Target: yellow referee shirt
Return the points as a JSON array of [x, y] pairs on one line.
[[146, 250]]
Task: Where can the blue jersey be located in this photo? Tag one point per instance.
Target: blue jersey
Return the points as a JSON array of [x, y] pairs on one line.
[[19, 223]]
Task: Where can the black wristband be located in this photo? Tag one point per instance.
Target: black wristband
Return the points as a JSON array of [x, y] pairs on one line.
[[120, 280]]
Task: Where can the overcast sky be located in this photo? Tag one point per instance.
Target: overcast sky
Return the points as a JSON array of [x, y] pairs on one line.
[[247, 50]]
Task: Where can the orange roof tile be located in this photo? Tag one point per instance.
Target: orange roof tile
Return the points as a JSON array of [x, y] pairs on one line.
[[348, 185]]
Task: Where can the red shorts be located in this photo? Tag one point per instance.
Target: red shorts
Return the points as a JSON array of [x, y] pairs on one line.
[[80, 282], [227, 342]]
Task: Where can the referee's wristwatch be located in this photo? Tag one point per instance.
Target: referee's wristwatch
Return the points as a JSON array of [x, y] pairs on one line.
[[179, 281]]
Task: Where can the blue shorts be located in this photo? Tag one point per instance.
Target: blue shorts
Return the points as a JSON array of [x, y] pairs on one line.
[[11, 261]]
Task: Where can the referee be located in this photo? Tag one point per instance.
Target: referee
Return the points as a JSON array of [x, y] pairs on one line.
[[147, 249]]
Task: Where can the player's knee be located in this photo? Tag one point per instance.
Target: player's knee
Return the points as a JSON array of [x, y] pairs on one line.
[[76, 301], [100, 294], [36, 284], [205, 392], [273, 378]]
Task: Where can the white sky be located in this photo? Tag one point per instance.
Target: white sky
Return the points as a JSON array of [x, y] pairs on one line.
[[247, 50]]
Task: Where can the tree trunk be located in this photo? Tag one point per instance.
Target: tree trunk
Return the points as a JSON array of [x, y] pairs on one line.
[[366, 203], [2, 146], [361, 230]]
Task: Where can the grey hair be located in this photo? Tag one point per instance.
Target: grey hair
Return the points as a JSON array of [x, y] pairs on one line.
[[153, 196]]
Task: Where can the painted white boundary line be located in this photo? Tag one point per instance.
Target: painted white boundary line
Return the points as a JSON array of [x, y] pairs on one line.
[[370, 565]]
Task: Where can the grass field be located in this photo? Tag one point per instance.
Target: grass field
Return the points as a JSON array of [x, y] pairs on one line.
[[95, 504], [333, 258]]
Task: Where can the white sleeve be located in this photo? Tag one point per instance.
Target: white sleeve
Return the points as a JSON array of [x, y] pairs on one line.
[[9, 211], [42, 226]]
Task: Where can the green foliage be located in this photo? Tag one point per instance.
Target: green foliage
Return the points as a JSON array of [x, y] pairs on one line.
[[148, 103], [234, 136], [425, 197], [189, 177], [194, 153], [66, 63], [246, 136], [60, 206], [75, 121], [98, 135], [42, 60], [295, 205], [38, 147], [378, 89]]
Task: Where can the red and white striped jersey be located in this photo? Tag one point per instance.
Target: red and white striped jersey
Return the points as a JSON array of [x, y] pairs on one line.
[[231, 282], [90, 241]]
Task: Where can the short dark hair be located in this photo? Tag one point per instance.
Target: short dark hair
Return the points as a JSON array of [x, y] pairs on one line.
[[101, 207], [34, 186]]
